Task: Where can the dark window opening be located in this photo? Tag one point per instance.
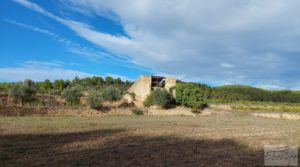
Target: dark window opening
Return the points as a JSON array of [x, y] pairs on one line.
[[157, 81]]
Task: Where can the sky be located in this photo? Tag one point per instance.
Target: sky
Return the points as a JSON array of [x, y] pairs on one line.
[[216, 42]]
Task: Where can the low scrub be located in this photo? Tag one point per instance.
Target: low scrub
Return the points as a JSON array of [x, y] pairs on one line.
[[23, 92], [111, 94], [159, 97], [137, 111], [94, 99], [72, 95], [197, 108]]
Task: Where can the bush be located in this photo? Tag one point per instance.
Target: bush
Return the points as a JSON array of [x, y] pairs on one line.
[[159, 97], [197, 108], [196, 111], [4, 86], [44, 87], [94, 99], [137, 111], [189, 94], [23, 92], [72, 95], [111, 94], [54, 92], [201, 105]]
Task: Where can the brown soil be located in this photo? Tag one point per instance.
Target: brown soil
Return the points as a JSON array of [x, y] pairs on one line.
[[216, 140], [118, 148]]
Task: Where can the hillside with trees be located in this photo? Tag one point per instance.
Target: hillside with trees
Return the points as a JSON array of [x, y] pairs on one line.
[[100, 89], [97, 88], [232, 93], [57, 86]]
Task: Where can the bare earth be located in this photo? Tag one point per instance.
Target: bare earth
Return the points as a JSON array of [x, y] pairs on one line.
[[235, 139]]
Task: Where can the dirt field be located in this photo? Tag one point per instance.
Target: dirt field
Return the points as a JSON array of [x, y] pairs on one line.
[[216, 140]]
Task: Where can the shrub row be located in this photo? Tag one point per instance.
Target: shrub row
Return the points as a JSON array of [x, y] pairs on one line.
[[57, 86], [94, 98], [24, 92]]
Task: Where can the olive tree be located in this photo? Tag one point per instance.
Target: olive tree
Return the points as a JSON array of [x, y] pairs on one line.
[[94, 99], [23, 92], [72, 95]]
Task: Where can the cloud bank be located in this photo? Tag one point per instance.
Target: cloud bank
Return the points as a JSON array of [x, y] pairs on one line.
[[221, 42]]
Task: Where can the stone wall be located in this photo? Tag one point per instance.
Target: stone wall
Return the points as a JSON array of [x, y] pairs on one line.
[[141, 88], [170, 82]]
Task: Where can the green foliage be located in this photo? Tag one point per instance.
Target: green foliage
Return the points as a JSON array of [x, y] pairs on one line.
[[201, 105], [56, 87], [72, 95], [190, 94], [111, 94], [159, 97], [109, 80], [137, 111], [196, 111], [54, 92], [111, 88], [86, 82], [5, 86], [44, 87], [15, 92], [117, 81], [186, 93], [94, 99], [75, 81], [198, 107], [266, 106], [60, 85], [246, 93], [97, 81], [23, 92]]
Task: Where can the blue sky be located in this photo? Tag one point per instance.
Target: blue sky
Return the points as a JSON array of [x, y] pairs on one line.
[[250, 42]]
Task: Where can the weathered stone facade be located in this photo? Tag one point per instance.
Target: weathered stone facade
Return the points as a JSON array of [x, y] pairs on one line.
[[143, 86]]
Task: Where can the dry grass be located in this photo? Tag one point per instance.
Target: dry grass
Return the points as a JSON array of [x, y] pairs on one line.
[[217, 140], [266, 107]]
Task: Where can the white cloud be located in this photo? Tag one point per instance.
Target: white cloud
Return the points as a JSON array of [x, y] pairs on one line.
[[70, 45], [39, 9], [31, 28], [45, 64], [194, 38], [39, 71], [227, 65], [270, 87]]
